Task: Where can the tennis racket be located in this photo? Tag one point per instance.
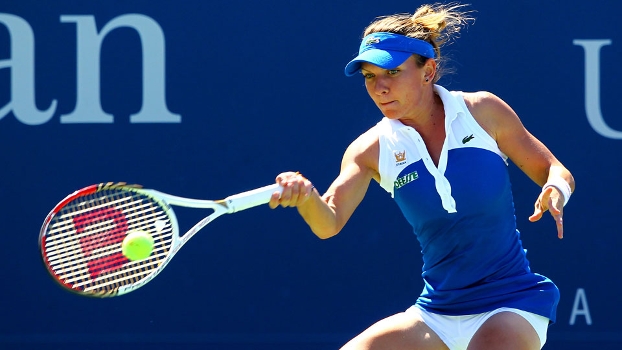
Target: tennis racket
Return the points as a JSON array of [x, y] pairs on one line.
[[80, 239]]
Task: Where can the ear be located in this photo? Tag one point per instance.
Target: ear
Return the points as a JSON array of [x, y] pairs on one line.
[[429, 70]]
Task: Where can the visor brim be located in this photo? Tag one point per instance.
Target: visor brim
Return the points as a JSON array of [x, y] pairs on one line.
[[385, 59]]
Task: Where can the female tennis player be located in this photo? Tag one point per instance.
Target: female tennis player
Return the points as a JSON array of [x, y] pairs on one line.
[[442, 155]]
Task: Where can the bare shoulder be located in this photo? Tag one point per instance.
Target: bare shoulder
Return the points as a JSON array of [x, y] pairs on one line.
[[483, 101], [363, 152], [491, 112]]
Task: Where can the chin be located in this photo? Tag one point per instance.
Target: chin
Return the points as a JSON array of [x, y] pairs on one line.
[[391, 115]]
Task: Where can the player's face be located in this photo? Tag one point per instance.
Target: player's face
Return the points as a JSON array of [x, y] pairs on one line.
[[397, 92]]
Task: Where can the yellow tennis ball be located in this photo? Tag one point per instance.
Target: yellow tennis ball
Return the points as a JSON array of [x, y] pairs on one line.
[[137, 245]]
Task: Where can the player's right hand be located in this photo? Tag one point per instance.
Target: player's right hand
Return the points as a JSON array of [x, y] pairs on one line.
[[296, 190]]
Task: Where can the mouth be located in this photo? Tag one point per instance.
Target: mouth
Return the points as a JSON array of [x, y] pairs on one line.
[[383, 104]]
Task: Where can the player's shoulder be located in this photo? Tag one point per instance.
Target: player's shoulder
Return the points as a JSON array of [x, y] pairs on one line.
[[482, 101], [365, 148], [365, 142], [485, 105], [491, 112]]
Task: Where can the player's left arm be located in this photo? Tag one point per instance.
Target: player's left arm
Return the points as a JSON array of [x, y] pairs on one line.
[[524, 150]]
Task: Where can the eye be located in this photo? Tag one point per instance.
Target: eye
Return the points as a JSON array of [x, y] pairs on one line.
[[393, 71], [368, 75]]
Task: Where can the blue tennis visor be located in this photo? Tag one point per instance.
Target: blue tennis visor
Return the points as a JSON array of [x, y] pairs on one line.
[[388, 50]]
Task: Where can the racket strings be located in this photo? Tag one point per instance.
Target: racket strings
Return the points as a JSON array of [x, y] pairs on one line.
[[83, 240], [64, 230]]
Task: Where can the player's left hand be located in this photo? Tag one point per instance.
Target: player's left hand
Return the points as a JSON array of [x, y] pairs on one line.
[[552, 200]]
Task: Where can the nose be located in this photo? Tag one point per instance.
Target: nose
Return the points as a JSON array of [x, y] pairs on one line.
[[381, 87]]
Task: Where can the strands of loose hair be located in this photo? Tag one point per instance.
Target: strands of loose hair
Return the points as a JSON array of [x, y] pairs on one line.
[[439, 24]]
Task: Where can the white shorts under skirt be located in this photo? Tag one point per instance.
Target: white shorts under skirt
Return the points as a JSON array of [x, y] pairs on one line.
[[456, 331]]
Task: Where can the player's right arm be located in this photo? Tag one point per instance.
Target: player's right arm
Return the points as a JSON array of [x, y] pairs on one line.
[[326, 215]]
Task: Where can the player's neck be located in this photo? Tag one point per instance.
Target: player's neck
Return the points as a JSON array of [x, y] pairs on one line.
[[429, 117]]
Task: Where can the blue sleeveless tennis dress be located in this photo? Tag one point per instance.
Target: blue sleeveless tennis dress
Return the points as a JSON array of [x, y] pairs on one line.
[[462, 213]]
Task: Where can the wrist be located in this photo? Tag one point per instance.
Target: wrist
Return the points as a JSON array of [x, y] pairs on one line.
[[561, 185]]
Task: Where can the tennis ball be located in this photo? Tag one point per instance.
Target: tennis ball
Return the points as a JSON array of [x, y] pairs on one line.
[[137, 245]]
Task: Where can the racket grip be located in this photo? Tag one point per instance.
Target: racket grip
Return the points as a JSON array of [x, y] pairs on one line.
[[252, 198]]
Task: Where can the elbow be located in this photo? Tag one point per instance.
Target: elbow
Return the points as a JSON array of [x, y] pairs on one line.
[[325, 234]]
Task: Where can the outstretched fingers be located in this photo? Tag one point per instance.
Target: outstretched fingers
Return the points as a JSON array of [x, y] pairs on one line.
[[551, 201]]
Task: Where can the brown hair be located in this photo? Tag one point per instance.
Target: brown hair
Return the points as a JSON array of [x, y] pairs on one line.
[[437, 24]]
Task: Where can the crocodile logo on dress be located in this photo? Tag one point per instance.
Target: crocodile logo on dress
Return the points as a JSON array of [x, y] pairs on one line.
[[467, 138]]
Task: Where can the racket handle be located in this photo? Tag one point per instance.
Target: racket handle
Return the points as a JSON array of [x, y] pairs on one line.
[[252, 198]]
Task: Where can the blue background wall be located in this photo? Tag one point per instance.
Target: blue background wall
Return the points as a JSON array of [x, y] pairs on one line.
[[260, 89]]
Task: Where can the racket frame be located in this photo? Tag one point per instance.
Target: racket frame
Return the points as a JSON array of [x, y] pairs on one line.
[[229, 205]]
